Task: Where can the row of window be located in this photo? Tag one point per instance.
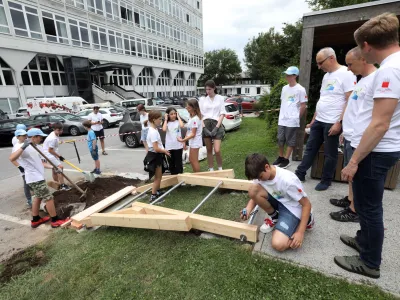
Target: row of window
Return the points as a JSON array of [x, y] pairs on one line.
[[6, 75], [43, 70]]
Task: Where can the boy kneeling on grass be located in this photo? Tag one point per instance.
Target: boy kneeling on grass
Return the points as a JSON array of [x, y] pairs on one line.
[[92, 144], [281, 195]]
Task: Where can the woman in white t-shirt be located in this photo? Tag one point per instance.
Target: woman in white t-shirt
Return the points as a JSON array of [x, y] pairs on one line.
[[172, 128], [194, 133], [213, 112], [144, 116], [155, 155]]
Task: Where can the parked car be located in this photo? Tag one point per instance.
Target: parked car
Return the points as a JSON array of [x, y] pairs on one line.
[[3, 115], [22, 112], [247, 102], [8, 127], [134, 127], [111, 117], [72, 123]]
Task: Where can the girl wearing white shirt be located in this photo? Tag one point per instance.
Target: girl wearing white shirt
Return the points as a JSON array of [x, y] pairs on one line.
[[194, 133], [213, 111], [172, 127], [144, 116]]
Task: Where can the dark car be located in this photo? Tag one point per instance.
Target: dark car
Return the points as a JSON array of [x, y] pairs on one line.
[[133, 126], [72, 123], [8, 127], [3, 115]]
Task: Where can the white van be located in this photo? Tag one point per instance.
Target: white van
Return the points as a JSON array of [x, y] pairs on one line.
[[132, 103], [58, 104]]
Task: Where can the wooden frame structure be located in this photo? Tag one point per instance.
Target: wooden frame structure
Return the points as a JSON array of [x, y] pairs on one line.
[[330, 28], [148, 216]]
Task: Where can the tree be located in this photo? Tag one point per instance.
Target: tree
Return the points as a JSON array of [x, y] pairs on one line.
[[326, 4], [222, 66]]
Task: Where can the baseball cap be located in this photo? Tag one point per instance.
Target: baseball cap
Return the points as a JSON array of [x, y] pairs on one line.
[[35, 132], [19, 132], [292, 71], [21, 126]]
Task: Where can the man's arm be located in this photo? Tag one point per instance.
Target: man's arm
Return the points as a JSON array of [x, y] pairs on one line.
[[303, 107], [337, 127]]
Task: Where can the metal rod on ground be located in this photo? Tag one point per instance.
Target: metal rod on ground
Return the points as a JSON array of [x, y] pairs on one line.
[[167, 193], [207, 197], [253, 215], [124, 202]]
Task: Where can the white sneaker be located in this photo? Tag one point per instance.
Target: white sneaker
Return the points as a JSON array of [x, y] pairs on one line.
[[268, 225], [311, 224]]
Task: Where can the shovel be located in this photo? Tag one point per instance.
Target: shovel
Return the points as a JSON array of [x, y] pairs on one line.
[[88, 177], [65, 176]]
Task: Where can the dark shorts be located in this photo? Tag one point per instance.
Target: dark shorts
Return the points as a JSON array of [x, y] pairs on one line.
[[287, 221], [100, 134], [287, 135], [347, 152], [41, 190], [210, 124]]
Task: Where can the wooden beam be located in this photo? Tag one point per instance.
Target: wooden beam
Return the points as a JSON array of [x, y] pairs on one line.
[[229, 173], [129, 211], [103, 204], [159, 222], [209, 224], [169, 181], [228, 183]]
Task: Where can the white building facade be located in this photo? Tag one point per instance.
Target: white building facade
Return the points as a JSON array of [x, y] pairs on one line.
[[54, 48]]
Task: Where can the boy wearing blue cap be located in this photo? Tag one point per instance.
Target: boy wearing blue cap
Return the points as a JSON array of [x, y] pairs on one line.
[[293, 106], [31, 161]]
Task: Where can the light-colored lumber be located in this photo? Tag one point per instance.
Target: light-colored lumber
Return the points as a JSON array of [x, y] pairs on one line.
[[209, 224], [103, 204], [228, 183], [169, 181], [229, 173], [66, 224], [129, 211], [159, 222]]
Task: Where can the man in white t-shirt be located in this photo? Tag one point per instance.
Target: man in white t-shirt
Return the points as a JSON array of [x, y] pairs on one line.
[[325, 127], [359, 66], [97, 125], [293, 106], [376, 142]]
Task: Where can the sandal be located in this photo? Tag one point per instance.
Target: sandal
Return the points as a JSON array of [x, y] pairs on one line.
[[104, 153]]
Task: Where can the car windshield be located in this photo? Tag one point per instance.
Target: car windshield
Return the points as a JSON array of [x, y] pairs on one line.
[[70, 117], [119, 109], [230, 108], [183, 113], [22, 110], [7, 125]]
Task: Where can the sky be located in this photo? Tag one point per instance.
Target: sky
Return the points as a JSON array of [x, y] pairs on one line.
[[231, 23]]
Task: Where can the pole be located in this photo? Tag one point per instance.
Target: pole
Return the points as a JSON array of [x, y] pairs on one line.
[[253, 215], [207, 197], [126, 201], [167, 193]]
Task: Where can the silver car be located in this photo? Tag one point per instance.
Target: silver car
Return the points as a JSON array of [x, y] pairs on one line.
[[72, 123]]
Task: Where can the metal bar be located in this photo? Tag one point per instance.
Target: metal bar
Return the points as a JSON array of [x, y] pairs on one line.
[[207, 197], [253, 214], [124, 202], [167, 193]]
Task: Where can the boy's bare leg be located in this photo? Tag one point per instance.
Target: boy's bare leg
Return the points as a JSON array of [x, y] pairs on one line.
[[157, 181], [280, 241], [60, 176], [36, 206], [97, 164], [51, 209], [55, 176], [260, 196], [289, 151]]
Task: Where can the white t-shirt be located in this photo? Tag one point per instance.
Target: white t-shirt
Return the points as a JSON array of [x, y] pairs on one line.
[[386, 84], [354, 103], [291, 98], [285, 188], [332, 95], [196, 141], [31, 161], [153, 136], [51, 141], [14, 140], [144, 118], [212, 109], [96, 118], [171, 136]]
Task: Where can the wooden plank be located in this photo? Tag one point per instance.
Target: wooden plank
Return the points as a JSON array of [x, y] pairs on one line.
[[159, 222], [228, 183], [214, 225], [103, 204], [169, 181], [129, 211], [229, 173]]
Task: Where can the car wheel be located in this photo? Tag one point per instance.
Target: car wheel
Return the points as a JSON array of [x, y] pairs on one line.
[[74, 131], [131, 141], [106, 124]]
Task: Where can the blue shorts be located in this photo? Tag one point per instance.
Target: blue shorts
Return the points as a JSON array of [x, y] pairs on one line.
[[143, 135], [347, 152], [287, 221], [96, 156]]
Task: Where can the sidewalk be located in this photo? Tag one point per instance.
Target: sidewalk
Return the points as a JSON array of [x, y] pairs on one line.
[[323, 243]]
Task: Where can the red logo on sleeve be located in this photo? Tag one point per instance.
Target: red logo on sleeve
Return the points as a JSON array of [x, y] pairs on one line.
[[355, 82], [385, 84], [300, 190]]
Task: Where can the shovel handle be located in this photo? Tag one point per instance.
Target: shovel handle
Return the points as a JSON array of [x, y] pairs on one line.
[[73, 166], [54, 166]]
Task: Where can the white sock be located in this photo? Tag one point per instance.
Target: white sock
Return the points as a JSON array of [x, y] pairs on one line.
[[211, 169], [219, 168]]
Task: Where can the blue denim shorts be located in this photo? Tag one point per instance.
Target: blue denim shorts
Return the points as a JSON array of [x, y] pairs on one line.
[[143, 134], [96, 156], [287, 222], [347, 152]]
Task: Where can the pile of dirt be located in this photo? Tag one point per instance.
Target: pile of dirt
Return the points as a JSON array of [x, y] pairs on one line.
[[98, 190]]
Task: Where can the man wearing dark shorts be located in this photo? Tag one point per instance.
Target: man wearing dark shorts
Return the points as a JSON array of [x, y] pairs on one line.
[[97, 125]]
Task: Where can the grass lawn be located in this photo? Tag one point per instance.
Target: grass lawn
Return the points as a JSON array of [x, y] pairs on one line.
[[118, 263]]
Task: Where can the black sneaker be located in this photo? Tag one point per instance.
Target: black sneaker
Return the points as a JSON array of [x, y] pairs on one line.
[[153, 198], [64, 187], [356, 265], [284, 163], [94, 171], [345, 215], [344, 202], [350, 241], [278, 160]]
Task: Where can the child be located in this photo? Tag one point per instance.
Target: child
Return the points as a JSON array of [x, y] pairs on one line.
[[293, 106], [172, 126], [50, 149], [194, 133], [92, 144], [144, 116], [30, 160], [154, 158], [281, 195]]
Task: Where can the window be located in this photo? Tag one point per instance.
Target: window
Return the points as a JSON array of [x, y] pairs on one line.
[[95, 6], [247, 90], [145, 77], [198, 4], [25, 20], [112, 10], [191, 80], [55, 28], [187, 18], [164, 78], [120, 47], [99, 38], [79, 33], [122, 77], [6, 74], [76, 3], [44, 70], [126, 13], [178, 80], [3, 19]]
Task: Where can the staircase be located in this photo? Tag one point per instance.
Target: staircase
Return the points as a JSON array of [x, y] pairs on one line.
[[101, 95], [131, 94]]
